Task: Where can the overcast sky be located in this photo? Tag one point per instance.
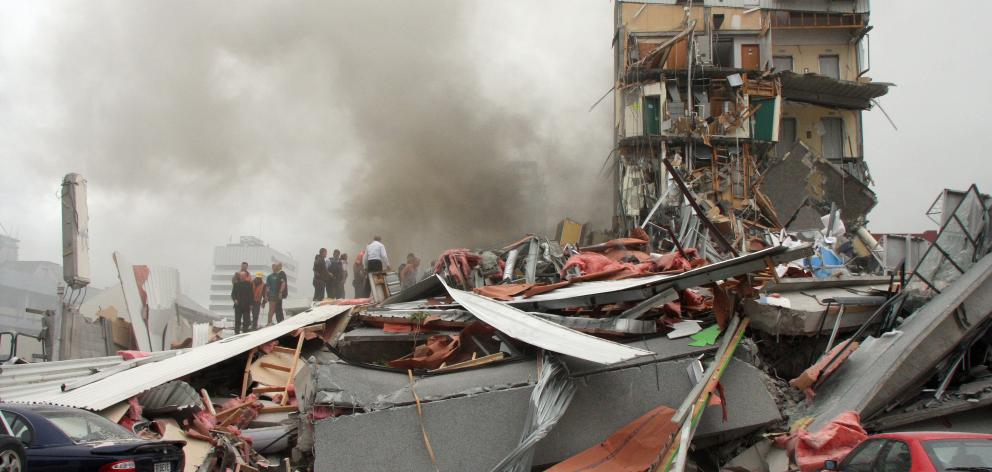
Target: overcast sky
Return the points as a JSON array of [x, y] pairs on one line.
[[328, 122]]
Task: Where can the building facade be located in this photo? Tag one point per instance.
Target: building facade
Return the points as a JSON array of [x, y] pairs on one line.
[[227, 261], [24, 285], [721, 92]]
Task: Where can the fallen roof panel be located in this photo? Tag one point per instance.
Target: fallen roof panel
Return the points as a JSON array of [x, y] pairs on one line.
[[121, 386], [643, 288], [543, 333], [822, 90]]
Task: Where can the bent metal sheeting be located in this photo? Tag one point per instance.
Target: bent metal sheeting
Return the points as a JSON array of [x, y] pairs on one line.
[[119, 387], [543, 333]]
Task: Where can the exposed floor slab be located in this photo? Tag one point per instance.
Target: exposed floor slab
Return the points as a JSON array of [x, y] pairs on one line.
[[884, 369], [472, 433]]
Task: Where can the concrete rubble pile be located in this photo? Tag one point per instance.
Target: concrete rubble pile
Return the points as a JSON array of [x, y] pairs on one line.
[[635, 353]]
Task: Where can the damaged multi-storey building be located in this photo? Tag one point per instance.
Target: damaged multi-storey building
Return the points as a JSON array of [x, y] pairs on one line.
[[755, 106]]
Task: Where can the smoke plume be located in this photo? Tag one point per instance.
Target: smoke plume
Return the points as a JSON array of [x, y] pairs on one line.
[[433, 124]]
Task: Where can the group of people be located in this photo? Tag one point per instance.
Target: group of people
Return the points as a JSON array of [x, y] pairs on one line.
[[250, 294], [329, 274]]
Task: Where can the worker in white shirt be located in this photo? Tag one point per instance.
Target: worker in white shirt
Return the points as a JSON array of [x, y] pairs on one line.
[[375, 259]]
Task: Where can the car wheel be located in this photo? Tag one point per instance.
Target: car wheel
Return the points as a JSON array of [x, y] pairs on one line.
[[12, 456]]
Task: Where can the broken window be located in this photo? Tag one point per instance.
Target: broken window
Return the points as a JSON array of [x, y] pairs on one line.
[[782, 63], [724, 52], [833, 138], [864, 55], [830, 66]]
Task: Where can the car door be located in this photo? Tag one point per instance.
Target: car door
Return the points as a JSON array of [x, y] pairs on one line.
[[863, 457], [40, 458]]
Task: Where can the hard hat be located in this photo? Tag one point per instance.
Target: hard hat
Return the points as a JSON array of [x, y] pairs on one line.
[[259, 274]]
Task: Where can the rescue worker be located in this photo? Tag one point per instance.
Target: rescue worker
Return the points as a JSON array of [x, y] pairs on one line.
[[335, 288], [376, 260], [257, 298], [241, 296], [360, 276], [410, 273], [321, 277], [277, 288], [344, 274]]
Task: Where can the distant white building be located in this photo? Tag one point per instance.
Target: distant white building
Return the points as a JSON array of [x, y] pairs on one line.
[[23, 285], [227, 261]]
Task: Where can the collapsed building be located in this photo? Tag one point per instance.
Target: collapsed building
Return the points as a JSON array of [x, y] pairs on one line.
[[746, 114], [600, 357], [743, 318]]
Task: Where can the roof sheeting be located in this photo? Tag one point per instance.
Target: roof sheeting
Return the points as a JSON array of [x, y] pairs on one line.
[[116, 388], [582, 289], [822, 90], [543, 333]]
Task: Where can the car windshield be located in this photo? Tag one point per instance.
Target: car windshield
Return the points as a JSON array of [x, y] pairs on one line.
[[83, 426], [959, 454]]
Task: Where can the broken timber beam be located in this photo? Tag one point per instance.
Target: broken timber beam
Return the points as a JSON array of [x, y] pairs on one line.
[[691, 198]]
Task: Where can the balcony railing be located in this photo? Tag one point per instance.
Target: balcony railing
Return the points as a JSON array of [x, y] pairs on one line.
[[802, 19]]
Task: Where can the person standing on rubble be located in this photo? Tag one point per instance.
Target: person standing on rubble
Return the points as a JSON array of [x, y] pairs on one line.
[[241, 296], [277, 288], [336, 287], [376, 260], [257, 298], [344, 274], [360, 276], [321, 277], [410, 274]]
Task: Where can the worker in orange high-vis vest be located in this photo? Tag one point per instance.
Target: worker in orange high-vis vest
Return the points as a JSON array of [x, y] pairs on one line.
[[257, 298]]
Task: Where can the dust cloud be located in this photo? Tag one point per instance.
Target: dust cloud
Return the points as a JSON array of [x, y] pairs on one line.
[[433, 124]]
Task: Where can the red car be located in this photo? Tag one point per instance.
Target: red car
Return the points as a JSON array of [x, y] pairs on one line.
[[919, 452]]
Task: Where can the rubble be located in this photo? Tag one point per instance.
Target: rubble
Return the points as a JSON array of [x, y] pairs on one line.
[[741, 220], [607, 354]]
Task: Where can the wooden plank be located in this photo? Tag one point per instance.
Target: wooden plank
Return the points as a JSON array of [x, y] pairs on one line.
[[287, 350], [292, 369], [279, 409], [229, 411], [244, 383], [269, 365], [207, 402], [268, 389], [471, 363], [233, 416]]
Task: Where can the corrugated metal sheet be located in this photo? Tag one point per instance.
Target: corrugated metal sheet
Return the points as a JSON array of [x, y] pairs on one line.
[[543, 333], [25, 381], [121, 386]]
